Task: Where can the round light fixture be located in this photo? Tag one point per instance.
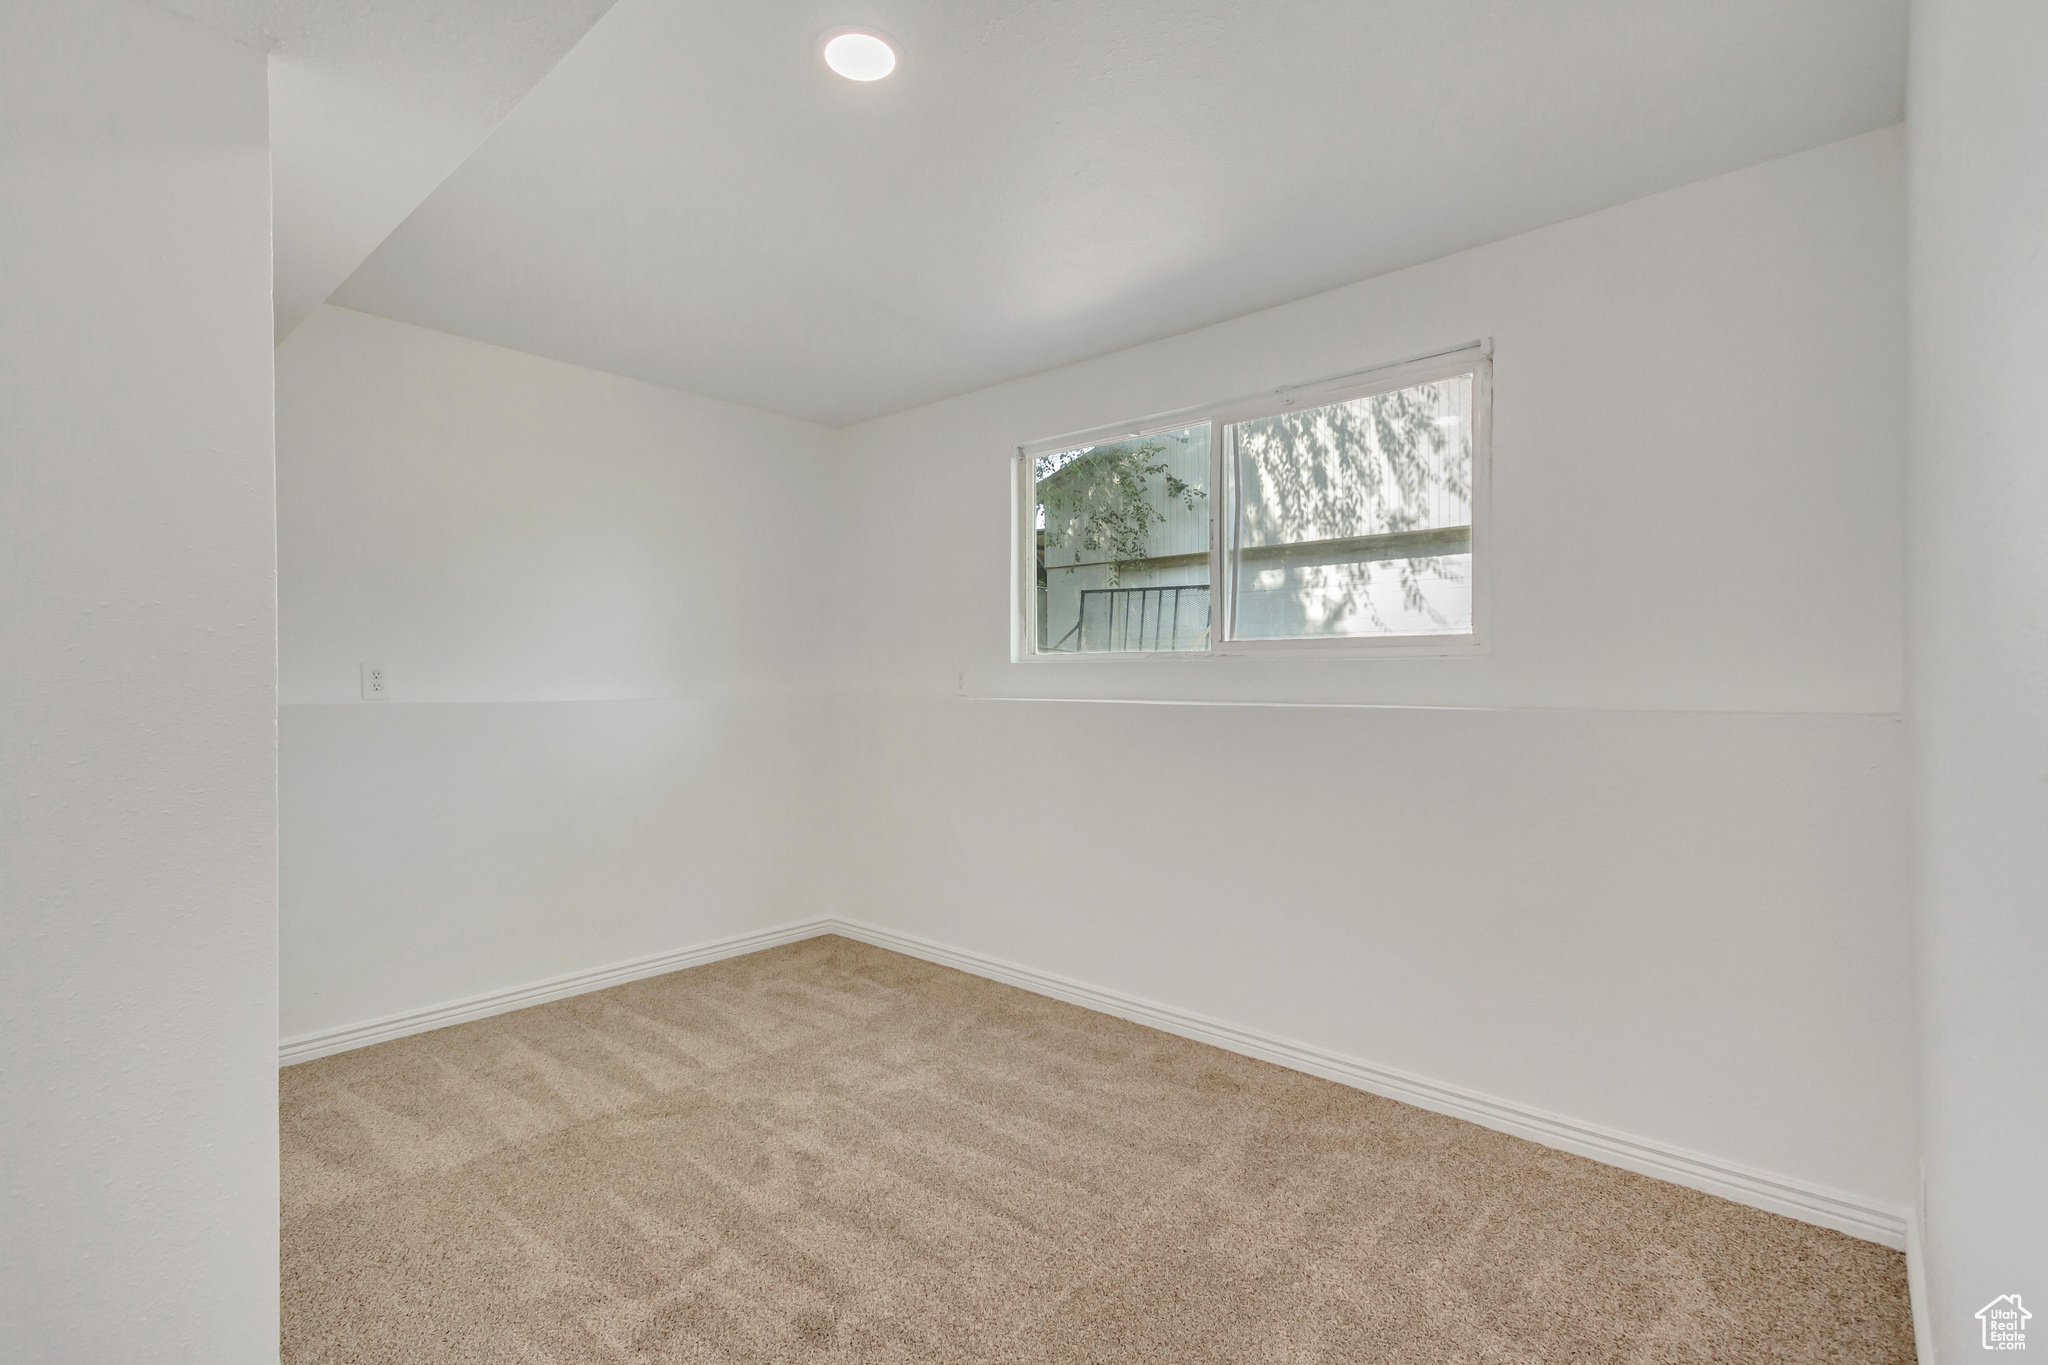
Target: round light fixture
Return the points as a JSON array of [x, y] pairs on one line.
[[860, 56]]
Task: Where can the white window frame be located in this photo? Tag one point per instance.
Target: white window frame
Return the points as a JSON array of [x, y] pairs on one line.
[[1475, 359]]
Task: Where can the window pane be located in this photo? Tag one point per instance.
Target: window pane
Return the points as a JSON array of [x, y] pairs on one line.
[[1123, 545], [1355, 519]]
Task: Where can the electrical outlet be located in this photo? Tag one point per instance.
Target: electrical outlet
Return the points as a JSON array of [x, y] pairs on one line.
[[375, 688]]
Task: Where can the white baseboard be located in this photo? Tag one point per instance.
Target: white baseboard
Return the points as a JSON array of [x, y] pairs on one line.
[[1916, 1280], [307, 1046], [1810, 1203]]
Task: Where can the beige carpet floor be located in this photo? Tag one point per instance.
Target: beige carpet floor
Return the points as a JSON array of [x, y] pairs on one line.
[[827, 1152]]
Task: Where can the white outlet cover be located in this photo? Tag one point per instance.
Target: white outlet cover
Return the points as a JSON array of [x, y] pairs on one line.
[[376, 683]]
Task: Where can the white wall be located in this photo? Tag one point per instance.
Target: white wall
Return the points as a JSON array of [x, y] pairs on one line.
[[1979, 651], [598, 602], [138, 1120], [1650, 873], [1698, 449]]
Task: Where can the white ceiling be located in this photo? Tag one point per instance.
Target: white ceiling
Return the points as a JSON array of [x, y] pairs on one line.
[[372, 104], [691, 198]]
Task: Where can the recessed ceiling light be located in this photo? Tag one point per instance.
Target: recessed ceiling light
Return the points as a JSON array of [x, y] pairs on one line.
[[860, 56]]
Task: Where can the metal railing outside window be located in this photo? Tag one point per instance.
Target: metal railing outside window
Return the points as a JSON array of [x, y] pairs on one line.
[[1149, 619]]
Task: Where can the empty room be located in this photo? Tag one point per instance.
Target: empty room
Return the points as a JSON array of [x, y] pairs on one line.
[[1183, 681]]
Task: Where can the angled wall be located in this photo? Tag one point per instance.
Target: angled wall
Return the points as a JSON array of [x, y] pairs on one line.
[[138, 996]]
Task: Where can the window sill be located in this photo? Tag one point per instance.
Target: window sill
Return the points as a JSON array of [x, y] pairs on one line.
[[1399, 647]]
